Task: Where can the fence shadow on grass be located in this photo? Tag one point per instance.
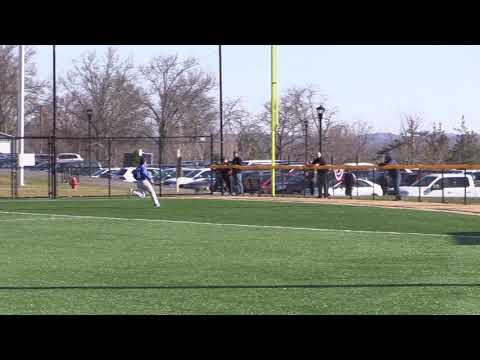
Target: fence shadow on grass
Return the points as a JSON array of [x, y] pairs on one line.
[[466, 238], [200, 287]]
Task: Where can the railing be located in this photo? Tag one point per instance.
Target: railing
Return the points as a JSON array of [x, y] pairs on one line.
[[420, 169]]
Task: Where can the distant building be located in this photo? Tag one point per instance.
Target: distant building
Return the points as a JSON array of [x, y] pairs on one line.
[[5, 143]]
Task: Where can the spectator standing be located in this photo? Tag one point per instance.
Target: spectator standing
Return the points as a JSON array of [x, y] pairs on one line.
[[321, 176], [349, 180], [310, 179], [226, 175], [237, 175], [393, 175]]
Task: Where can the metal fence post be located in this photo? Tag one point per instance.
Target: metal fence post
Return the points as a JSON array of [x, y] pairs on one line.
[[419, 192], [443, 192], [465, 187], [333, 172], [160, 158], [49, 149], [373, 184], [109, 167], [356, 181], [12, 176], [211, 162]]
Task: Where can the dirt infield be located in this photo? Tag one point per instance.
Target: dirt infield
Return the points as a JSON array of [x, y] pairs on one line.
[[472, 209]]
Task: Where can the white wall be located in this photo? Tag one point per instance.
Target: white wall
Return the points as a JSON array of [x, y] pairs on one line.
[[5, 146]]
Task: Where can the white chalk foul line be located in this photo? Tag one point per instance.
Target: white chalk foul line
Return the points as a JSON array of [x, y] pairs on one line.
[[36, 219], [278, 227]]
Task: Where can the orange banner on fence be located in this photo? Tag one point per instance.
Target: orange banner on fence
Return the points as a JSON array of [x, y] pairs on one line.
[[353, 167]]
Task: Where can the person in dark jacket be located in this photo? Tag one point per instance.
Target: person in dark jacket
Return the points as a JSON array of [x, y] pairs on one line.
[[349, 180], [226, 175], [237, 175], [393, 175], [310, 179], [321, 176]]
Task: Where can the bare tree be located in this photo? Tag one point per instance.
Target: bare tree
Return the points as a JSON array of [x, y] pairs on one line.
[[107, 85], [296, 107], [436, 145], [251, 139], [411, 137], [177, 96], [467, 145], [349, 142], [34, 90]]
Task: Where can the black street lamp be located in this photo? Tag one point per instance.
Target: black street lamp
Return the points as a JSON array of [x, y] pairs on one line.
[[221, 111], [53, 152], [320, 112], [89, 115], [305, 123]]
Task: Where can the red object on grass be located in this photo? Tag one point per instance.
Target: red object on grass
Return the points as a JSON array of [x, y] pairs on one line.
[[74, 182]]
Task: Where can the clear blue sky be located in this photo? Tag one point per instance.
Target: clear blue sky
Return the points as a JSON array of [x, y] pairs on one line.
[[376, 84]]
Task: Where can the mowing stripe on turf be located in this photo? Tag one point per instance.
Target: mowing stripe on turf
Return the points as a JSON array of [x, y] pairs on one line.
[[87, 217]]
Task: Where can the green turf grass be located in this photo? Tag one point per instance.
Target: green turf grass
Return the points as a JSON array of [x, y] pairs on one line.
[[108, 266]]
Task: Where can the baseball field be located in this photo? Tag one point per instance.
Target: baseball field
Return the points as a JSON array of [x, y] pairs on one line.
[[212, 256]]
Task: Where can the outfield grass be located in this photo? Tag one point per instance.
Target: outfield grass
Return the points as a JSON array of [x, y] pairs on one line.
[[106, 256]]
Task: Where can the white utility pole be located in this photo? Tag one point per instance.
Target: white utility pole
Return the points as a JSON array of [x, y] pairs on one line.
[[21, 112]]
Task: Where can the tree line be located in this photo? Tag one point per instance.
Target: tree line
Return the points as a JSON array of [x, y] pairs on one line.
[[174, 96]]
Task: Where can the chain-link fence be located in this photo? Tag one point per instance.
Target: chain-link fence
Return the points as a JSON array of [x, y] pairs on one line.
[[71, 166], [454, 183]]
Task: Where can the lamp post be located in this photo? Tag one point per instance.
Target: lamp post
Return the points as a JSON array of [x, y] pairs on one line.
[[305, 123], [53, 172], [221, 111], [89, 115], [320, 112]]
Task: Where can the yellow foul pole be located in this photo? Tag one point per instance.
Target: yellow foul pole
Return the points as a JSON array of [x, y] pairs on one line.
[[274, 106]]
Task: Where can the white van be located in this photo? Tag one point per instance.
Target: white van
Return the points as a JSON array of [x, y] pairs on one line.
[[431, 186]]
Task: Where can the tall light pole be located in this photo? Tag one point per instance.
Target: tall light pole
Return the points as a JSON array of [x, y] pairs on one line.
[[320, 112], [21, 112], [54, 130], [305, 124], [221, 110], [89, 115]]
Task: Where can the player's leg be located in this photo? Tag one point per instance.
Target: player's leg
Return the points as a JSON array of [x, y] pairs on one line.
[[140, 192], [152, 192]]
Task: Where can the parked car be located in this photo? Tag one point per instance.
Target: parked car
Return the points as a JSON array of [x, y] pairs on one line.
[[169, 173], [286, 182], [126, 174], [252, 179], [202, 184], [67, 157], [8, 161], [195, 163], [192, 176], [104, 172], [407, 178], [40, 158], [83, 167], [110, 173], [362, 187], [453, 186], [476, 177]]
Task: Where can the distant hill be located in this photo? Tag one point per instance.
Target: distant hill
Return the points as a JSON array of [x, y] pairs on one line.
[[380, 139]]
